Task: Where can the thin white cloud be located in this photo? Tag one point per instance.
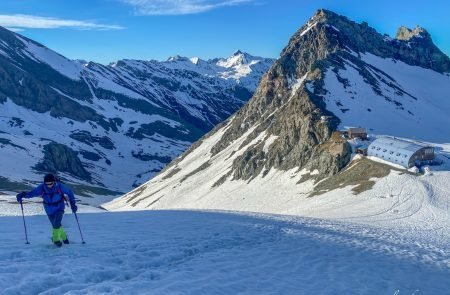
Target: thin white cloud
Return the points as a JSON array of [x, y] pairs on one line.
[[19, 22], [179, 7]]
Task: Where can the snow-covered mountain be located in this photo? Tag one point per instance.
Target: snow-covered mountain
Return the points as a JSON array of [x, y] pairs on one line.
[[108, 128], [283, 146]]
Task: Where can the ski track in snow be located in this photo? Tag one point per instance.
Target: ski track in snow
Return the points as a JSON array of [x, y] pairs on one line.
[[191, 252]]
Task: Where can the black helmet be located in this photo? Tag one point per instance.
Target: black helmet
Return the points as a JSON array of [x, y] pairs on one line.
[[49, 178]]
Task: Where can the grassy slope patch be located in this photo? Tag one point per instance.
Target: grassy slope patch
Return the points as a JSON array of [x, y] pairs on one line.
[[359, 173]]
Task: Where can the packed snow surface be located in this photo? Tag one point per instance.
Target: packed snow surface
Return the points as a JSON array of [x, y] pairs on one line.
[[189, 252]]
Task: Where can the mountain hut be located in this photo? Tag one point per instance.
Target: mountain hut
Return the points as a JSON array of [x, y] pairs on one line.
[[401, 152]]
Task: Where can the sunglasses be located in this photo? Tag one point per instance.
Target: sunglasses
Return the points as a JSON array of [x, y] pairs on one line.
[[49, 183]]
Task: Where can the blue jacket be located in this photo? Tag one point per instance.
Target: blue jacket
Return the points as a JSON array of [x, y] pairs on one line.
[[53, 200]]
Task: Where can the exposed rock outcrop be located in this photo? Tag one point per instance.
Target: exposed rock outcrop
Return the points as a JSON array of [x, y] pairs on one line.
[[60, 158]]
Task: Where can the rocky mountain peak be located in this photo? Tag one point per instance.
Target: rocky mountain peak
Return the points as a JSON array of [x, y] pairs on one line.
[[282, 107], [327, 32], [238, 59], [324, 15], [177, 58], [406, 34], [195, 60]]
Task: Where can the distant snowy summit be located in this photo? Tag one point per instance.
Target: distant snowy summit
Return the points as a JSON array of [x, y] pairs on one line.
[[241, 67], [285, 144], [108, 128]]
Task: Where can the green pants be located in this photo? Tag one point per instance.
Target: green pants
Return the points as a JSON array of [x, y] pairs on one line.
[[58, 232]]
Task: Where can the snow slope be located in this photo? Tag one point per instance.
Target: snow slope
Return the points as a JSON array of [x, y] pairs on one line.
[[25, 149], [191, 185], [189, 252], [416, 99], [44, 55]]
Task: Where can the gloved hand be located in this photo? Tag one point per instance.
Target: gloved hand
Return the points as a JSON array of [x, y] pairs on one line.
[[74, 208], [20, 196]]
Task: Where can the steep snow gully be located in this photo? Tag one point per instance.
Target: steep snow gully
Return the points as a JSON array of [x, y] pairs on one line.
[[192, 252]]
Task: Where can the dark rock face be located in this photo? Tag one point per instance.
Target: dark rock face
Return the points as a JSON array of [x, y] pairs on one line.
[[60, 158], [165, 130], [146, 157], [87, 138]]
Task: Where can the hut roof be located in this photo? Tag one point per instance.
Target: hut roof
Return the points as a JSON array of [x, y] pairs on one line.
[[398, 150], [357, 130]]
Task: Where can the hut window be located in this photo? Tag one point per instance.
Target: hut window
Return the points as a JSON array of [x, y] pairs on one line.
[[384, 150]]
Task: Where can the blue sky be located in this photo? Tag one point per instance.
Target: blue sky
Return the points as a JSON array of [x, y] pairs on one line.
[[108, 30]]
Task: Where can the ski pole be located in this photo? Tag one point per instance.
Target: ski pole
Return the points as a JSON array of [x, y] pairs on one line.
[[76, 217], [24, 225]]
